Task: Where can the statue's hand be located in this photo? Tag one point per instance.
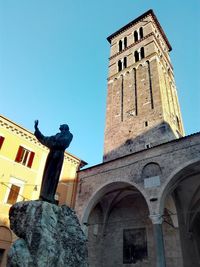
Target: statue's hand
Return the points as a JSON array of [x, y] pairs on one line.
[[36, 124]]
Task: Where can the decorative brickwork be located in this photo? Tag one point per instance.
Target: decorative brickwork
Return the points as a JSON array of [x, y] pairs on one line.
[[142, 104]]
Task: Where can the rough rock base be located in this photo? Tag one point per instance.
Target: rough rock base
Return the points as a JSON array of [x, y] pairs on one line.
[[49, 236]]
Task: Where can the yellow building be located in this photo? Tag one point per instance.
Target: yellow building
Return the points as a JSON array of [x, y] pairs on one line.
[[22, 160]]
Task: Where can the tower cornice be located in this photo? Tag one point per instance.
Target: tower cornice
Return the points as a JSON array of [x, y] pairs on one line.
[[140, 18]]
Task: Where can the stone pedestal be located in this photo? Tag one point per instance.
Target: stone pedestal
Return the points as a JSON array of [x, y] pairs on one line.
[[49, 236]]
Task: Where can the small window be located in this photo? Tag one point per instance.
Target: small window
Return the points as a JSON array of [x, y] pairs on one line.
[[119, 65], [142, 52], [134, 245], [125, 42], [135, 36], [120, 45], [1, 141], [13, 194], [141, 32], [148, 145], [25, 157], [136, 55], [146, 123]]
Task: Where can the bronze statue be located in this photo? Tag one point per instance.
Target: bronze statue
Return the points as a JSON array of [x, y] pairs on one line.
[[57, 145]]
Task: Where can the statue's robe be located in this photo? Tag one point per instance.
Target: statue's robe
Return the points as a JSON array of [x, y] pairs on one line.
[[57, 145]]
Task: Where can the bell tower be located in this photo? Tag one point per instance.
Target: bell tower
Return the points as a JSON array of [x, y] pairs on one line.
[[142, 103]]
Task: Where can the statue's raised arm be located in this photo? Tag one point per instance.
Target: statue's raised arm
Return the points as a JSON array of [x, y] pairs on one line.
[[57, 145]]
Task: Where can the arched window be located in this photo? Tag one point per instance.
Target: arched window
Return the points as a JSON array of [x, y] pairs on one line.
[[120, 45], [151, 169], [119, 65], [142, 52], [125, 62], [135, 36], [136, 55], [125, 42], [141, 32]]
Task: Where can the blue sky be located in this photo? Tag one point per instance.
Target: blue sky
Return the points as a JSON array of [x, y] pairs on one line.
[[54, 58]]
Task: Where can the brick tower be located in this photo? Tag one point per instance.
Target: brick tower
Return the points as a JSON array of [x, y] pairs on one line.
[[142, 104]]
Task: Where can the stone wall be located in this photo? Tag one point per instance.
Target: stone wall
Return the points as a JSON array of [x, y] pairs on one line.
[[154, 174]]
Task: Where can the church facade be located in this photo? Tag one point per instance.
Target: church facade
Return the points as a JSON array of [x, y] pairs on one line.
[[140, 207]]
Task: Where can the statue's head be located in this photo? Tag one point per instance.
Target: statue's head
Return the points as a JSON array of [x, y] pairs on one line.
[[64, 127]]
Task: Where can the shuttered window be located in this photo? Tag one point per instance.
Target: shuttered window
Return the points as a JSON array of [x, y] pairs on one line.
[[30, 161], [1, 141], [24, 156]]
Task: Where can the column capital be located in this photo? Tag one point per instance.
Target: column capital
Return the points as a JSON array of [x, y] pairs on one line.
[[156, 218]]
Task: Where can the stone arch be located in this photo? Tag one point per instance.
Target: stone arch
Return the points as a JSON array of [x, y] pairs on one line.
[[174, 179], [100, 192], [184, 187], [116, 210]]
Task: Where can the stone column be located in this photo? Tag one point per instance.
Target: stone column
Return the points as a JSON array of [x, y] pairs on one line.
[[158, 237]]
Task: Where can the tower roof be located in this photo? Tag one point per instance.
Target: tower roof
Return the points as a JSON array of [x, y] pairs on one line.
[[149, 12]]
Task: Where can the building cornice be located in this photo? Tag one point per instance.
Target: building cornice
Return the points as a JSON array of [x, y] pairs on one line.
[[29, 136], [17, 129]]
